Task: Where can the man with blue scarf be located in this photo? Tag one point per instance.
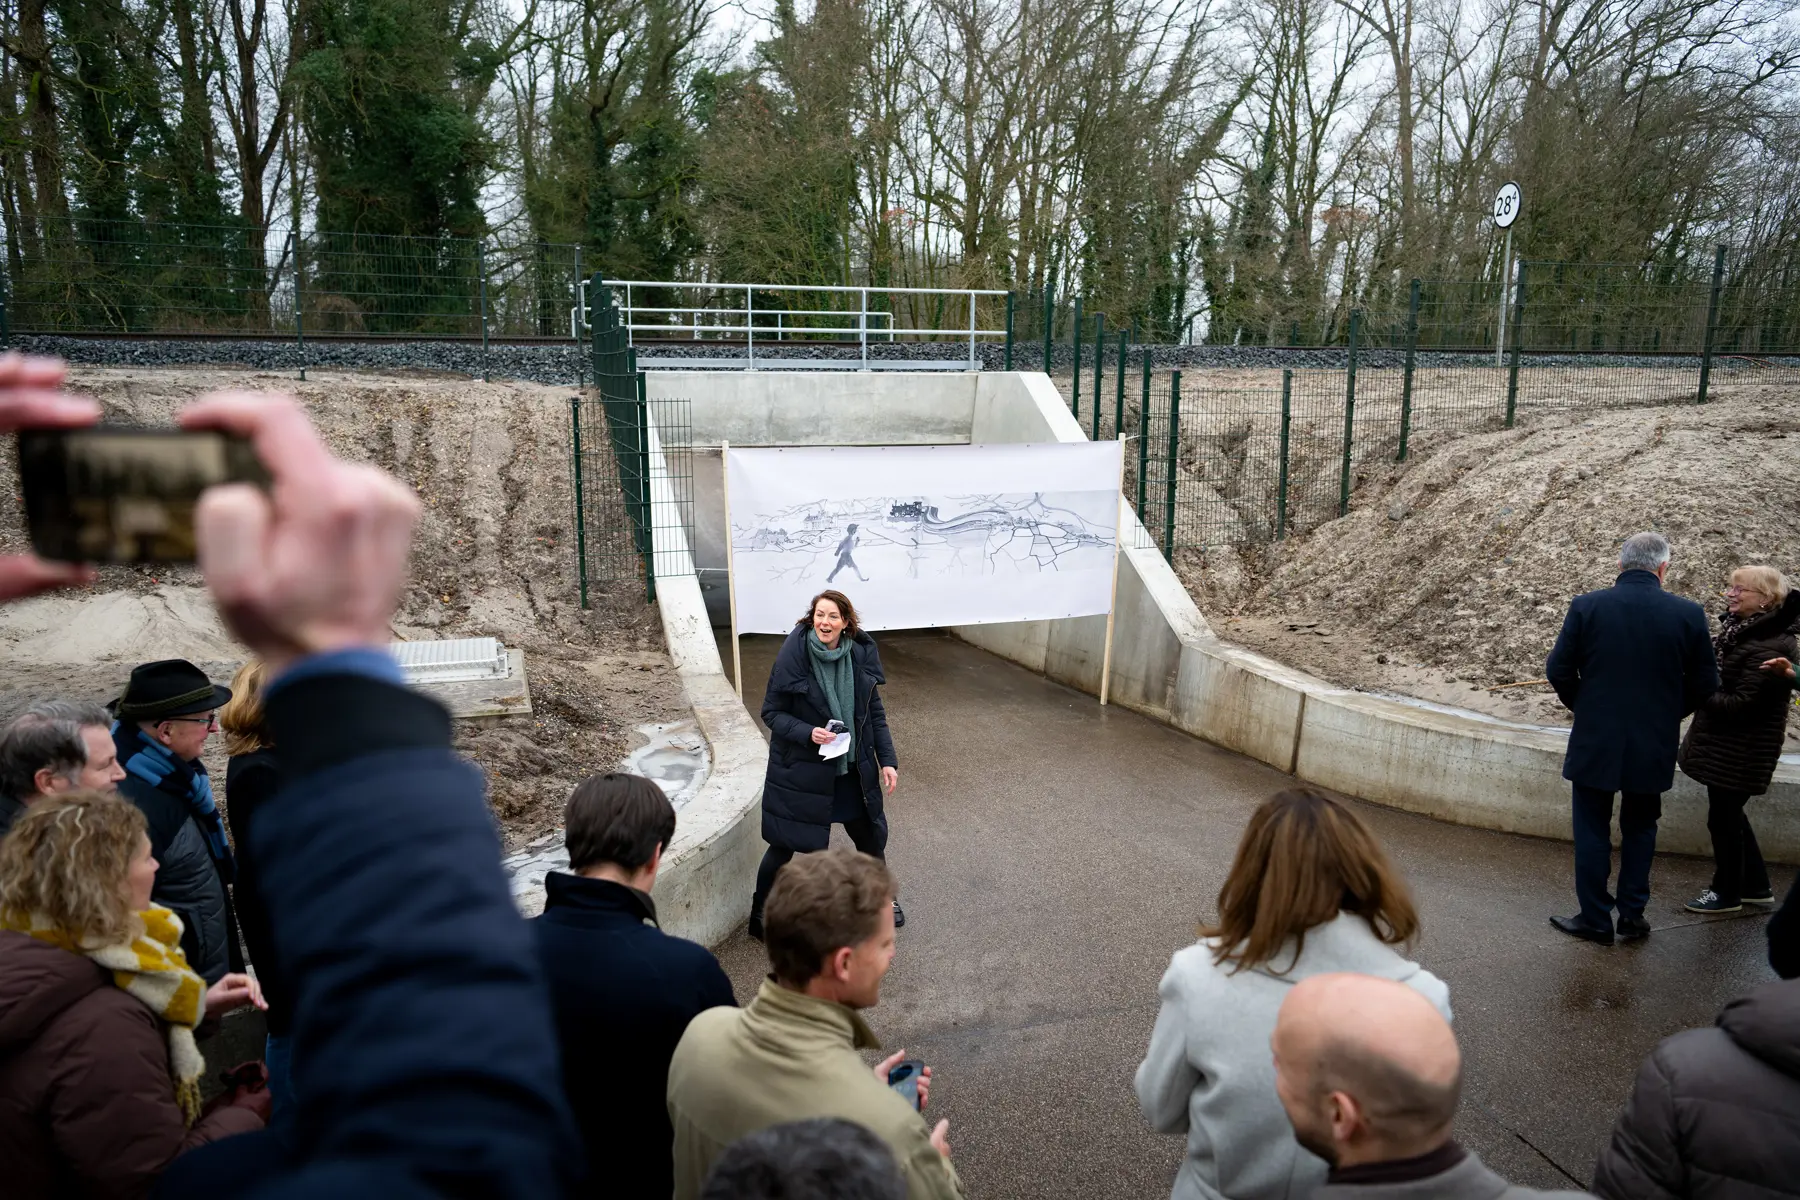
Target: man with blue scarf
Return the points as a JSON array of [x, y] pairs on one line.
[[167, 712]]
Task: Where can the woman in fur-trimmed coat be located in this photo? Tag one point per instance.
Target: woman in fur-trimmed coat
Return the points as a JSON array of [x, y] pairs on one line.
[[1736, 736]]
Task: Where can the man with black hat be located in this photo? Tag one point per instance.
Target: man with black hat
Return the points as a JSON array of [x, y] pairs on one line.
[[168, 710]]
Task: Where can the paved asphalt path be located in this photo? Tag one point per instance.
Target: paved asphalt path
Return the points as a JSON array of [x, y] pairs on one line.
[[1052, 855]]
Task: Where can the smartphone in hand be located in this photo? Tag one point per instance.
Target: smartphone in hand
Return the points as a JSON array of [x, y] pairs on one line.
[[124, 493], [904, 1078]]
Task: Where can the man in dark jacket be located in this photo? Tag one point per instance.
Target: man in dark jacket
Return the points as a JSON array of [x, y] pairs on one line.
[[168, 711], [623, 990], [1630, 663], [1716, 1112], [1370, 1076], [425, 1059], [55, 746]]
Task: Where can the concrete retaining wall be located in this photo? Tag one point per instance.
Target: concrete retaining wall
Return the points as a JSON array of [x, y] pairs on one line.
[[703, 890], [1167, 664]]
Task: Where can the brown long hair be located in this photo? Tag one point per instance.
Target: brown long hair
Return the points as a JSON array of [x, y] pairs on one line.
[[67, 858], [1304, 858], [852, 626]]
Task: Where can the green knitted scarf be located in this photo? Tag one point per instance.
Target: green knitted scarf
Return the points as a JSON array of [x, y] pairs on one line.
[[836, 676]]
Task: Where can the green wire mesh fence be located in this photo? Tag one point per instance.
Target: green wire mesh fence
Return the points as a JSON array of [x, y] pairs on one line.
[[634, 469]]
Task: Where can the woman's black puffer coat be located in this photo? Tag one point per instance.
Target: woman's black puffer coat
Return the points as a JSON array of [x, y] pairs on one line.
[[1716, 1112], [798, 789], [1736, 736]]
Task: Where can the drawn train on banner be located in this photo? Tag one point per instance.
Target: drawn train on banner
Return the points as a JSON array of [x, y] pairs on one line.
[[924, 536]]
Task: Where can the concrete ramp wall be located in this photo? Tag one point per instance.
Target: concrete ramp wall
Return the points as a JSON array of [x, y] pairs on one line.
[[1457, 766]]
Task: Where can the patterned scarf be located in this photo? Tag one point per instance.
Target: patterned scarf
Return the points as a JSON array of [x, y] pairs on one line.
[[152, 970], [154, 762], [836, 675]]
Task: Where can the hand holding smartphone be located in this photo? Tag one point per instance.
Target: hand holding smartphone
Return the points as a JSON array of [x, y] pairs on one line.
[[123, 493], [904, 1078]]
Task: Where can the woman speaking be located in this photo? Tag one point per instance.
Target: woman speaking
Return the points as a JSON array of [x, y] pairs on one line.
[[822, 687]]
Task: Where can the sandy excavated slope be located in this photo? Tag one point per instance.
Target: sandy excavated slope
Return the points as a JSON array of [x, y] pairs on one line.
[[1452, 574], [494, 557]]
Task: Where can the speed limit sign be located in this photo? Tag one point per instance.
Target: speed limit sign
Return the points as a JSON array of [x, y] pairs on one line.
[[1507, 202]]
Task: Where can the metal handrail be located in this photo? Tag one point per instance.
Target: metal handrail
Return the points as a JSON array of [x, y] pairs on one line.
[[861, 320]]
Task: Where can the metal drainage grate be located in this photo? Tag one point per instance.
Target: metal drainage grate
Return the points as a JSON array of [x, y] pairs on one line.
[[451, 661]]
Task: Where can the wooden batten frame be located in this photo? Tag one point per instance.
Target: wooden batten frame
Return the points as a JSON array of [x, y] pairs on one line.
[[1113, 607], [737, 662]]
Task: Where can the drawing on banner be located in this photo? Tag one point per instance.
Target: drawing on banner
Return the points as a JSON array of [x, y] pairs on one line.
[[923, 536], [887, 538]]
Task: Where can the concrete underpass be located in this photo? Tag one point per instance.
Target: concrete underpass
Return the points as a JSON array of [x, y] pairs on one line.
[[1053, 854]]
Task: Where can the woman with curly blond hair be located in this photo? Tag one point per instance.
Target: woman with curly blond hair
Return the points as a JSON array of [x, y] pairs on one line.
[[99, 1072], [1738, 733]]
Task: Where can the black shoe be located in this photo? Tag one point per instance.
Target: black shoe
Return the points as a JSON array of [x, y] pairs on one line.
[[1576, 927], [755, 926], [899, 915], [1632, 929], [1710, 902], [1765, 898]]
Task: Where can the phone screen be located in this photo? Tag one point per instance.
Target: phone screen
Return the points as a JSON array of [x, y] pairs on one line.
[[124, 494], [904, 1078]]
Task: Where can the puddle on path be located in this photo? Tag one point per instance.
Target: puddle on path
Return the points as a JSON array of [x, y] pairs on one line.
[[673, 756]]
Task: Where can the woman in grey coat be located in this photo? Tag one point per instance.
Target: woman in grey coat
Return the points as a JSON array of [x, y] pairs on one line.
[[1310, 892]]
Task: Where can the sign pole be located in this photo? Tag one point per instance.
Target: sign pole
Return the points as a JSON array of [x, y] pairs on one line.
[[1113, 606], [1509, 202], [737, 662], [1505, 299]]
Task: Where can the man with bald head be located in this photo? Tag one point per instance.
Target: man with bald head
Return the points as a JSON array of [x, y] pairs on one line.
[[1370, 1076]]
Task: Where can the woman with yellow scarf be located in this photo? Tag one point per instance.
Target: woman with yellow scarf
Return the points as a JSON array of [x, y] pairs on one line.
[[99, 1071]]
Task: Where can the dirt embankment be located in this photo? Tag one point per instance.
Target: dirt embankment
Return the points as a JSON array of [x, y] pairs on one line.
[[494, 557], [1451, 574]]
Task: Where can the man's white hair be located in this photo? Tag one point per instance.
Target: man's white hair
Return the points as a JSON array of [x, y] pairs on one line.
[[1643, 552]]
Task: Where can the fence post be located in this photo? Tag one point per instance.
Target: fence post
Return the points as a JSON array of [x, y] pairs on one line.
[[1712, 320], [300, 300], [481, 270], [1143, 435], [1049, 321], [1174, 459], [1512, 369], [1406, 377], [581, 314], [1099, 370], [1075, 344], [643, 468], [1281, 487], [1119, 400], [1011, 299], [580, 503], [1349, 411]]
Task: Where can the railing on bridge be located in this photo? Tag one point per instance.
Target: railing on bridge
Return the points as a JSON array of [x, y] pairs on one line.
[[789, 326]]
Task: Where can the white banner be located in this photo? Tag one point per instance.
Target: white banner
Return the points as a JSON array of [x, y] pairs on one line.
[[924, 536]]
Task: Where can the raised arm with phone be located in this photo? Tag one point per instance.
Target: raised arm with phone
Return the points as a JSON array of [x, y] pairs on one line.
[[424, 1052]]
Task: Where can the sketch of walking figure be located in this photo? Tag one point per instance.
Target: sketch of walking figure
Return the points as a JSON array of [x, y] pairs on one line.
[[845, 549]]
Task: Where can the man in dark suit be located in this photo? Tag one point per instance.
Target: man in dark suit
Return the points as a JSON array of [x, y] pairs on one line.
[[622, 989], [1630, 663]]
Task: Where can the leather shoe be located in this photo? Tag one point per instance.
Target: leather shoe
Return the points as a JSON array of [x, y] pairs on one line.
[[1632, 929], [1576, 927], [755, 928]]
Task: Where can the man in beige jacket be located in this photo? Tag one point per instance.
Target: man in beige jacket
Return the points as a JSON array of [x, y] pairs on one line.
[[792, 1053]]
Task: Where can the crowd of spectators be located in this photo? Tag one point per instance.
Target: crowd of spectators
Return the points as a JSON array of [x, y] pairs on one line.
[[426, 1041]]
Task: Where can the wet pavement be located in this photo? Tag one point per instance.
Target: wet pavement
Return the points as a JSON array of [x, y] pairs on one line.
[[1052, 855]]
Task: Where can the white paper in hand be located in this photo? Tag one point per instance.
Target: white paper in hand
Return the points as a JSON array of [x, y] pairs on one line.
[[837, 747]]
